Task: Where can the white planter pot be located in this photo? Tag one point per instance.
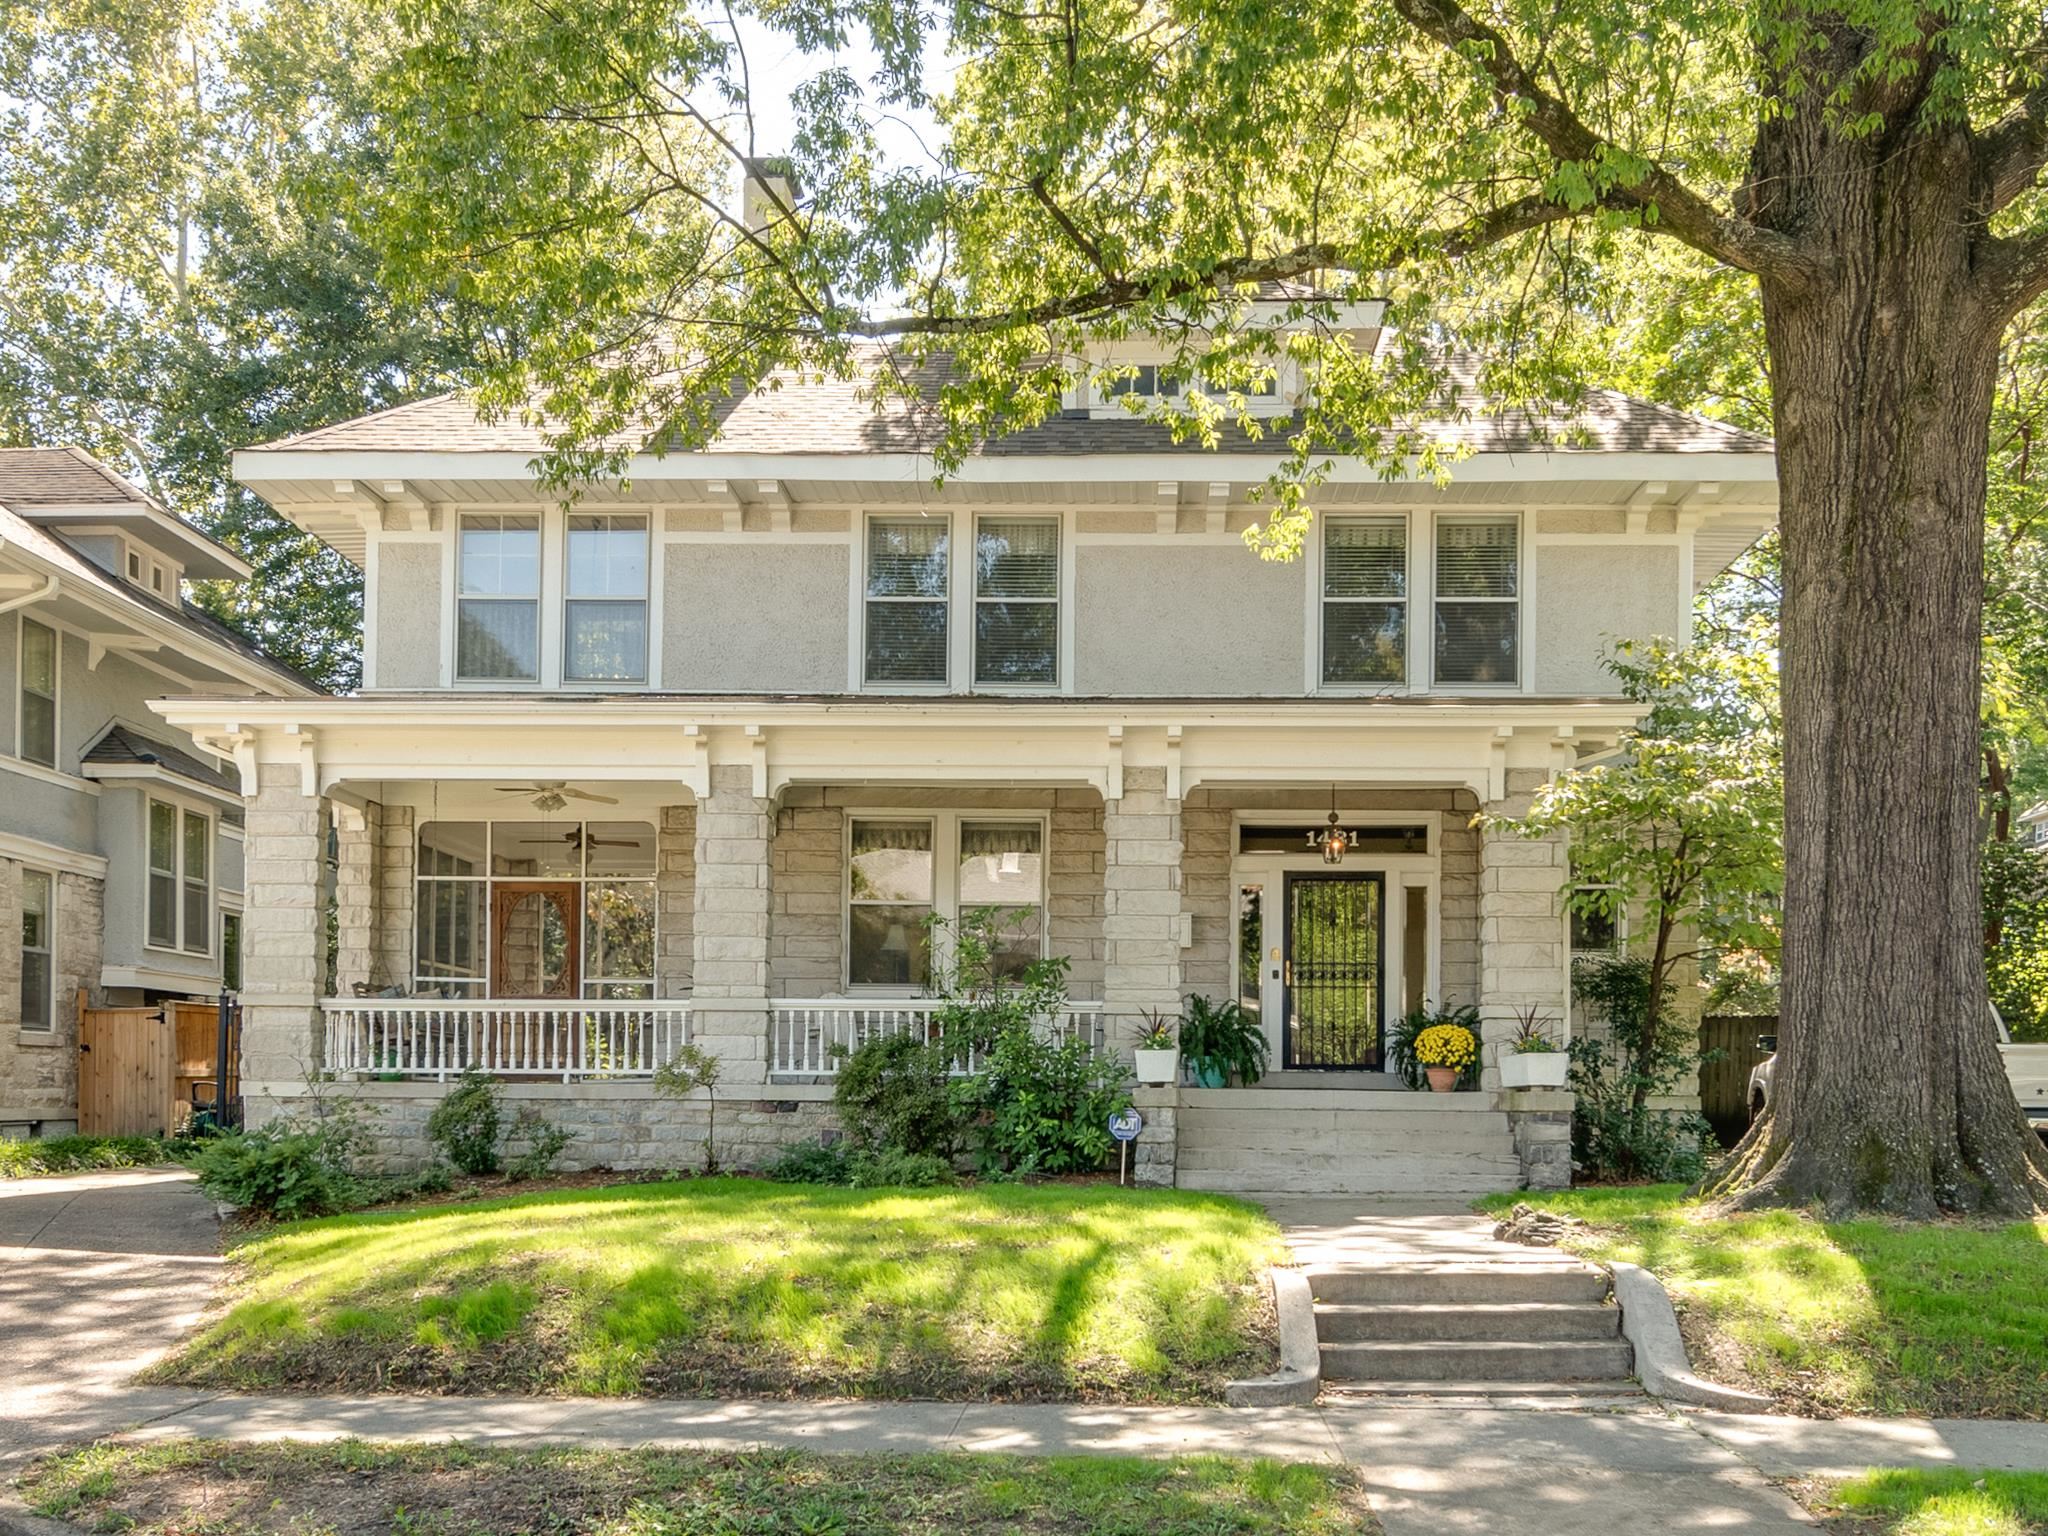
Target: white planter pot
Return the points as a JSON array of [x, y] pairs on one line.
[[1533, 1069], [1157, 1066]]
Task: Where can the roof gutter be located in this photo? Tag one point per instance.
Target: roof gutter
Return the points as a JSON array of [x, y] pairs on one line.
[[49, 589]]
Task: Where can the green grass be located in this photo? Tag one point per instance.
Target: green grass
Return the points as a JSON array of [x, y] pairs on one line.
[[740, 1286], [77, 1154], [1841, 1317], [1949, 1502], [178, 1487]]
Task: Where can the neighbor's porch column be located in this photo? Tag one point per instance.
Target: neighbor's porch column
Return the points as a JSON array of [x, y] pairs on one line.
[[729, 970], [1141, 905], [1523, 963], [284, 935]]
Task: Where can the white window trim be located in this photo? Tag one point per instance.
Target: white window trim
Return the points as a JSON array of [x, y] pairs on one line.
[[1058, 600], [53, 916], [646, 600], [1417, 666], [1524, 599], [21, 623], [183, 808], [945, 903], [864, 549], [547, 604]]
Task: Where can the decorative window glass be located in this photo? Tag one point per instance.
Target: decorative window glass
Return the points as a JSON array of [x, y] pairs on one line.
[[497, 608], [604, 615], [1478, 606], [38, 693], [1365, 600], [907, 591], [38, 924], [1595, 933], [609, 864], [180, 895], [889, 897], [1017, 602], [1002, 866]]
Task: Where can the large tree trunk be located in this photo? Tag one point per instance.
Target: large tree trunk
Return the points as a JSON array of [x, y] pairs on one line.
[[1889, 1093]]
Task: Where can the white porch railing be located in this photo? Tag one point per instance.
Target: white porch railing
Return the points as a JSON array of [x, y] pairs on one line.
[[437, 1037], [807, 1036]]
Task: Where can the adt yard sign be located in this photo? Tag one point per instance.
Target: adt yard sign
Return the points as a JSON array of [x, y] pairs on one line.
[[1124, 1125]]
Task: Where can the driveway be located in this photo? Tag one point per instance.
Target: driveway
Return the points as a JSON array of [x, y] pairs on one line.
[[100, 1273]]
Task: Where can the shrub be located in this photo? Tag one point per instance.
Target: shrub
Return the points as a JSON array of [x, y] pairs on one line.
[[286, 1169], [73, 1154], [1044, 1106], [1615, 1134], [815, 1162], [838, 1163], [465, 1124], [897, 1091], [544, 1143]]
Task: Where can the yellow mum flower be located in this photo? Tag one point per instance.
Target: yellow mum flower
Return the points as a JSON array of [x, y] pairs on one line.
[[1447, 1045]]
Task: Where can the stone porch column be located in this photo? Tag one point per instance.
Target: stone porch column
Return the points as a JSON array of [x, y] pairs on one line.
[[1523, 962], [283, 935], [729, 963], [1141, 905]]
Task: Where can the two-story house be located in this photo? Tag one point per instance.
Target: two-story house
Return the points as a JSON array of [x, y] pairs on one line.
[[121, 846], [697, 754]]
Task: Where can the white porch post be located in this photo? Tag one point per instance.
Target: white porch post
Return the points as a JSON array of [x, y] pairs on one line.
[[1522, 963], [283, 934], [729, 980]]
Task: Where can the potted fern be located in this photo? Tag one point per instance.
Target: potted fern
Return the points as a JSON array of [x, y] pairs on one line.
[[1533, 1058], [1157, 1058], [1220, 1041]]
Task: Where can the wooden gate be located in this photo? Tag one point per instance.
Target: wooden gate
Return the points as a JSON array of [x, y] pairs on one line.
[[196, 1029], [1724, 1084], [126, 1071]]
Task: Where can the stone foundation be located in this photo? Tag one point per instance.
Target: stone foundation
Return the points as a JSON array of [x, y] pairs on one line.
[[1541, 1121]]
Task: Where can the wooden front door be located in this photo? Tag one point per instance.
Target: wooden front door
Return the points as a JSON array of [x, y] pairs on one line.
[[536, 939]]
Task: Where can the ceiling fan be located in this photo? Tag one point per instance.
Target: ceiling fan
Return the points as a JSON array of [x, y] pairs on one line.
[[550, 796], [578, 839]]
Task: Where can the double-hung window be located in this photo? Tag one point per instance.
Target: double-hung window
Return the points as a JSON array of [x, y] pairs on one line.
[[38, 924], [1365, 601], [907, 591], [497, 609], [604, 611], [38, 693], [1478, 600], [1017, 602], [180, 912], [904, 871]]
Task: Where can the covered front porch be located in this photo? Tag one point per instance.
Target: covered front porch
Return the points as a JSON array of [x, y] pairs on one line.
[[570, 903]]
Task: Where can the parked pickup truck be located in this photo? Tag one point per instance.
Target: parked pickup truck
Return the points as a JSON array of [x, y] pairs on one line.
[[2026, 1065]]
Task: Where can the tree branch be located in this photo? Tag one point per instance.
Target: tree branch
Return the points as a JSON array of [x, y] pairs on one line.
[[1680, 212], [1486, 229]]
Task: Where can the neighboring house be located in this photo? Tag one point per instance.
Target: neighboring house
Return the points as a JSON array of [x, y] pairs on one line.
[[698, 753], [2032, 830], [121, 846]]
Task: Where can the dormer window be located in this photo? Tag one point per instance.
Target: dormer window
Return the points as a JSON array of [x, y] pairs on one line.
[[135, 567]]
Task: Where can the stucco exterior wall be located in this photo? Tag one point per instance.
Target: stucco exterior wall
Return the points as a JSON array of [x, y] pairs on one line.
[[409, 615], [1587, 596], [759, 617], [1195, 621]]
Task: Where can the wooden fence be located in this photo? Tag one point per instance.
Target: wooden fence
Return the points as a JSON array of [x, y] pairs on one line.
[[141, 1069], [1724, 1084]]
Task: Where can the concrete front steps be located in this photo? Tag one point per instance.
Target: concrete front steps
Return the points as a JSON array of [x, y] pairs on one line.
[[1342, 1141], [1469, 1326]]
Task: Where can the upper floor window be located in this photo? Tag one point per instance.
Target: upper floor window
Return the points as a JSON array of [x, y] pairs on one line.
[[1365, 600], [604, 610], [38, 693], [906, 598], [1017, 601], [1151, 379], [497, 610], [1478, 599], [38, 913], [180, 879]]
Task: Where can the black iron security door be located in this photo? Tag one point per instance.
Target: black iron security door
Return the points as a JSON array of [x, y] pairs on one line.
[[1336, 942]]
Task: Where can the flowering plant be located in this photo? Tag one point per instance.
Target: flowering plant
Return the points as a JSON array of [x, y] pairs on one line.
[[1447, 1045], [1532, 1035]]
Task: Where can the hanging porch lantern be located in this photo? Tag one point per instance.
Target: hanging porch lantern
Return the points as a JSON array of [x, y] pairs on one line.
[[1333, 842]]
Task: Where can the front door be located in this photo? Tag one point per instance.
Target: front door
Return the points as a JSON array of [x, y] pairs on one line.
[[536, 930], [1331, 979]]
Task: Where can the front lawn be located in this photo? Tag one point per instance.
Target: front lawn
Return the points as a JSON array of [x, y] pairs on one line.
[[185, 1486], [743, 1287], [1948, 1502], [1948, 1319]]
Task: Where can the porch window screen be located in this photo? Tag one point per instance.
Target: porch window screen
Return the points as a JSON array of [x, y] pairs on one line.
[[163, 875], [450, 924], [889, 897], [1478, 600], [497, 608], [604, 616], [1017, 602], [1365, 600], [38, 909], [38, 693], [1002, 865], [907, 590]]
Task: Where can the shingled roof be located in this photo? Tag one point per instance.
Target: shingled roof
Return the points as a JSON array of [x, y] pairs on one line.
[[790, 415], [61, 477], [122, 747]]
